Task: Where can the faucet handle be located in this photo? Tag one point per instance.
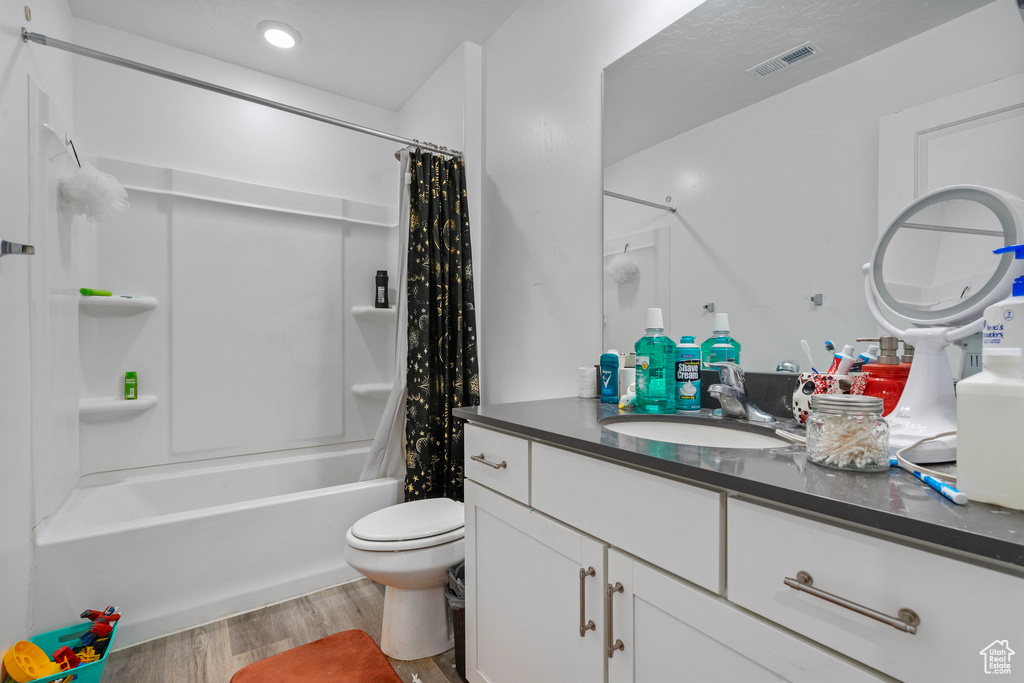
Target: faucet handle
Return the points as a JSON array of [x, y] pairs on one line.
[[730, 374]]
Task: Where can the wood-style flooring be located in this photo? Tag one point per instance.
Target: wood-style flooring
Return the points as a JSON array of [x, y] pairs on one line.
[[213, 653]]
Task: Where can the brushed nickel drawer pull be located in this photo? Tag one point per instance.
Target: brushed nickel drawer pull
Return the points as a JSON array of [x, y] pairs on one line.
[[585, 624], [907, 619], [617, 645], [480, 458]]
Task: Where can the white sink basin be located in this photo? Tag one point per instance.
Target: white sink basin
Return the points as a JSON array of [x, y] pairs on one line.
[[694, 434]]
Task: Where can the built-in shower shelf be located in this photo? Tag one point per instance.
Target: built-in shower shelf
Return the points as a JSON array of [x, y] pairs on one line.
[[371, 313], [116, 305], [378, 390], [99, 408]]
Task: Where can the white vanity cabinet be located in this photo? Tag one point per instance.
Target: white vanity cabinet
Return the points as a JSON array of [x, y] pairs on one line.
[[856, 587], [552, 595], [524, 599], [672, 631]]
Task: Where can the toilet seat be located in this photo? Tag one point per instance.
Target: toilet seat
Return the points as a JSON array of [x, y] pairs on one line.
[[409, 526], [408, 544]]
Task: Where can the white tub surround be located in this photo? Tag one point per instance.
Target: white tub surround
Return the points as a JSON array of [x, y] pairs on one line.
[[176, 549]]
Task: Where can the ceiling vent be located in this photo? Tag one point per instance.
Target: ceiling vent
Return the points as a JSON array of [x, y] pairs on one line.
[[783, 61]]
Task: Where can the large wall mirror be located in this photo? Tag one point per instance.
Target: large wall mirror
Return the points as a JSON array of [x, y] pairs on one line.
[[785, 134]]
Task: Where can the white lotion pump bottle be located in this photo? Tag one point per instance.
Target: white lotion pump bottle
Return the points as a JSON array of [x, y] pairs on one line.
[[990, 405]]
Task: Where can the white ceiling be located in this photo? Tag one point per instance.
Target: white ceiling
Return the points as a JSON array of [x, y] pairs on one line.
[[694, 71], [374, 51]]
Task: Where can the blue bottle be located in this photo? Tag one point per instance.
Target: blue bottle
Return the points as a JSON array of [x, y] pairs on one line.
[[610, 376], [688, 355], [655, 368]]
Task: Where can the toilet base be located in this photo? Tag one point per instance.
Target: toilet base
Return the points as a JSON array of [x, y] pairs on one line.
[[415, 623]]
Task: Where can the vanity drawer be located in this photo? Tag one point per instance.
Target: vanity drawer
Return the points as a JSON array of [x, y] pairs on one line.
[[963, 608], [502, 464], [662, 521]]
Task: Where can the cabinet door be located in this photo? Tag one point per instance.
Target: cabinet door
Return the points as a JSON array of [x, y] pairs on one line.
[[673, 631], [523, 602]]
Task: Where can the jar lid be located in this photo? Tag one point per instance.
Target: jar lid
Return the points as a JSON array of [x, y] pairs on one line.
[[845, 403]]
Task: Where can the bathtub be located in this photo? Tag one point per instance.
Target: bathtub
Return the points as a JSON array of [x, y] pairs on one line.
[[179, 549]]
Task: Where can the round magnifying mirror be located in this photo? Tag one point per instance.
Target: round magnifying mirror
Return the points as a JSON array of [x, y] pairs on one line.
[[934, 264], [930, 279]]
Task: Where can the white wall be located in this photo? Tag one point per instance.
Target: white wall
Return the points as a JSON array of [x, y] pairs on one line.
[[448, 110], [778, 201], [132, 116], [542, 188], [52, 71]]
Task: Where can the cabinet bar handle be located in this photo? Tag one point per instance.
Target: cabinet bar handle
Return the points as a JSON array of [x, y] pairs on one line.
[[617, 645], [907, 619], [480, 458], [585, 624]]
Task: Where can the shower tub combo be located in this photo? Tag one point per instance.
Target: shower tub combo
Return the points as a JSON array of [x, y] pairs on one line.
[[180, 549]]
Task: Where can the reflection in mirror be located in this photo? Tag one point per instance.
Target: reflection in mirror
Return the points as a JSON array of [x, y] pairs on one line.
[[942, 255], [780, 178]]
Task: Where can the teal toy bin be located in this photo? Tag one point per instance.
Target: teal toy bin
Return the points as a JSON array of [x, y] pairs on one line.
[[54, 640]]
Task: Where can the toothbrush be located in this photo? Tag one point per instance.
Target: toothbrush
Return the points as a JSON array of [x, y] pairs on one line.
[[830, 346], [947, 490], [807, 352]]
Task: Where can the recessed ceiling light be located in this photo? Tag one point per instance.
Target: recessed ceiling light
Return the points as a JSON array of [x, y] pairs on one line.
[[279, 34]]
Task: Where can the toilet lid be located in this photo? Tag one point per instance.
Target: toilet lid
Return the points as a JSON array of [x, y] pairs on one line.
[[407, 521]]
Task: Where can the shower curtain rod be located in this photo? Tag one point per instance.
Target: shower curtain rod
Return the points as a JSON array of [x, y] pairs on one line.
[[635, 200], [39, 38]]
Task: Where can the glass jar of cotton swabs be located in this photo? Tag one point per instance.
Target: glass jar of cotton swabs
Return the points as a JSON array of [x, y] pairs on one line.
[[848, 433]]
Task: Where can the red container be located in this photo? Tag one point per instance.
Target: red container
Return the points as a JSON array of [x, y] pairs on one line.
[[887, 383]]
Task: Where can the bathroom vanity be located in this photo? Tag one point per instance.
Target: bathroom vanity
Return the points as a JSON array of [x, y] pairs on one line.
[[593, 555]]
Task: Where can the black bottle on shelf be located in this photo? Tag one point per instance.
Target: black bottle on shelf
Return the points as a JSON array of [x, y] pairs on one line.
[[381, 300]]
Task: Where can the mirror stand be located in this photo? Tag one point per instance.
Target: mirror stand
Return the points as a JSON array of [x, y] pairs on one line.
[[928, 404]]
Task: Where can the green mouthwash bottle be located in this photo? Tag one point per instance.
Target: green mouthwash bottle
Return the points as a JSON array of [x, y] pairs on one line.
[[655, 368], [720, 346]]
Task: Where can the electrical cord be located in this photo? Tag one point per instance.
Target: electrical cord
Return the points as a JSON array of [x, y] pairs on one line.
[[907, 465]]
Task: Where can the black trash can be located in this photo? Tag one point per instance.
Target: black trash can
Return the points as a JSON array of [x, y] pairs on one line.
[[455, 591]]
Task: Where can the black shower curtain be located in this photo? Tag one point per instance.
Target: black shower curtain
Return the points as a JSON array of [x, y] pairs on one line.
[[442, 370]]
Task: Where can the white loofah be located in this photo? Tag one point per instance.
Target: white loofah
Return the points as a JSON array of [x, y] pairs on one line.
[[622, 269], [89, 192]]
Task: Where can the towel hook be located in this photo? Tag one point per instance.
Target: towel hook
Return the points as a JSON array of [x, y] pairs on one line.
[[10, 248]]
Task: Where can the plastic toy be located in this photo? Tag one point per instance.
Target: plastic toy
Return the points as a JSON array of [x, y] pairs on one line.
[[102, 624], [88, 654], [26, 661], [66, 658]]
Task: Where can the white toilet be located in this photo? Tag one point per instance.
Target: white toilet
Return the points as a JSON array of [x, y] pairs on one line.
[[409, 548]]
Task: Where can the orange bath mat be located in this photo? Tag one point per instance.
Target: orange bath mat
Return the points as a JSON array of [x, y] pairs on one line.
[[346, 657]]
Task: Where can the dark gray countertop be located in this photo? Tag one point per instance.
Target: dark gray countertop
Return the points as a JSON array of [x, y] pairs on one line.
[[895, 502]]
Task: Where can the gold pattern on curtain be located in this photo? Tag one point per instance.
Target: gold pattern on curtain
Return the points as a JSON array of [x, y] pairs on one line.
[[442, 369]]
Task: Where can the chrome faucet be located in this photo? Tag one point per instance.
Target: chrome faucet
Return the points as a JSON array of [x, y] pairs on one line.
[[731, 392]]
